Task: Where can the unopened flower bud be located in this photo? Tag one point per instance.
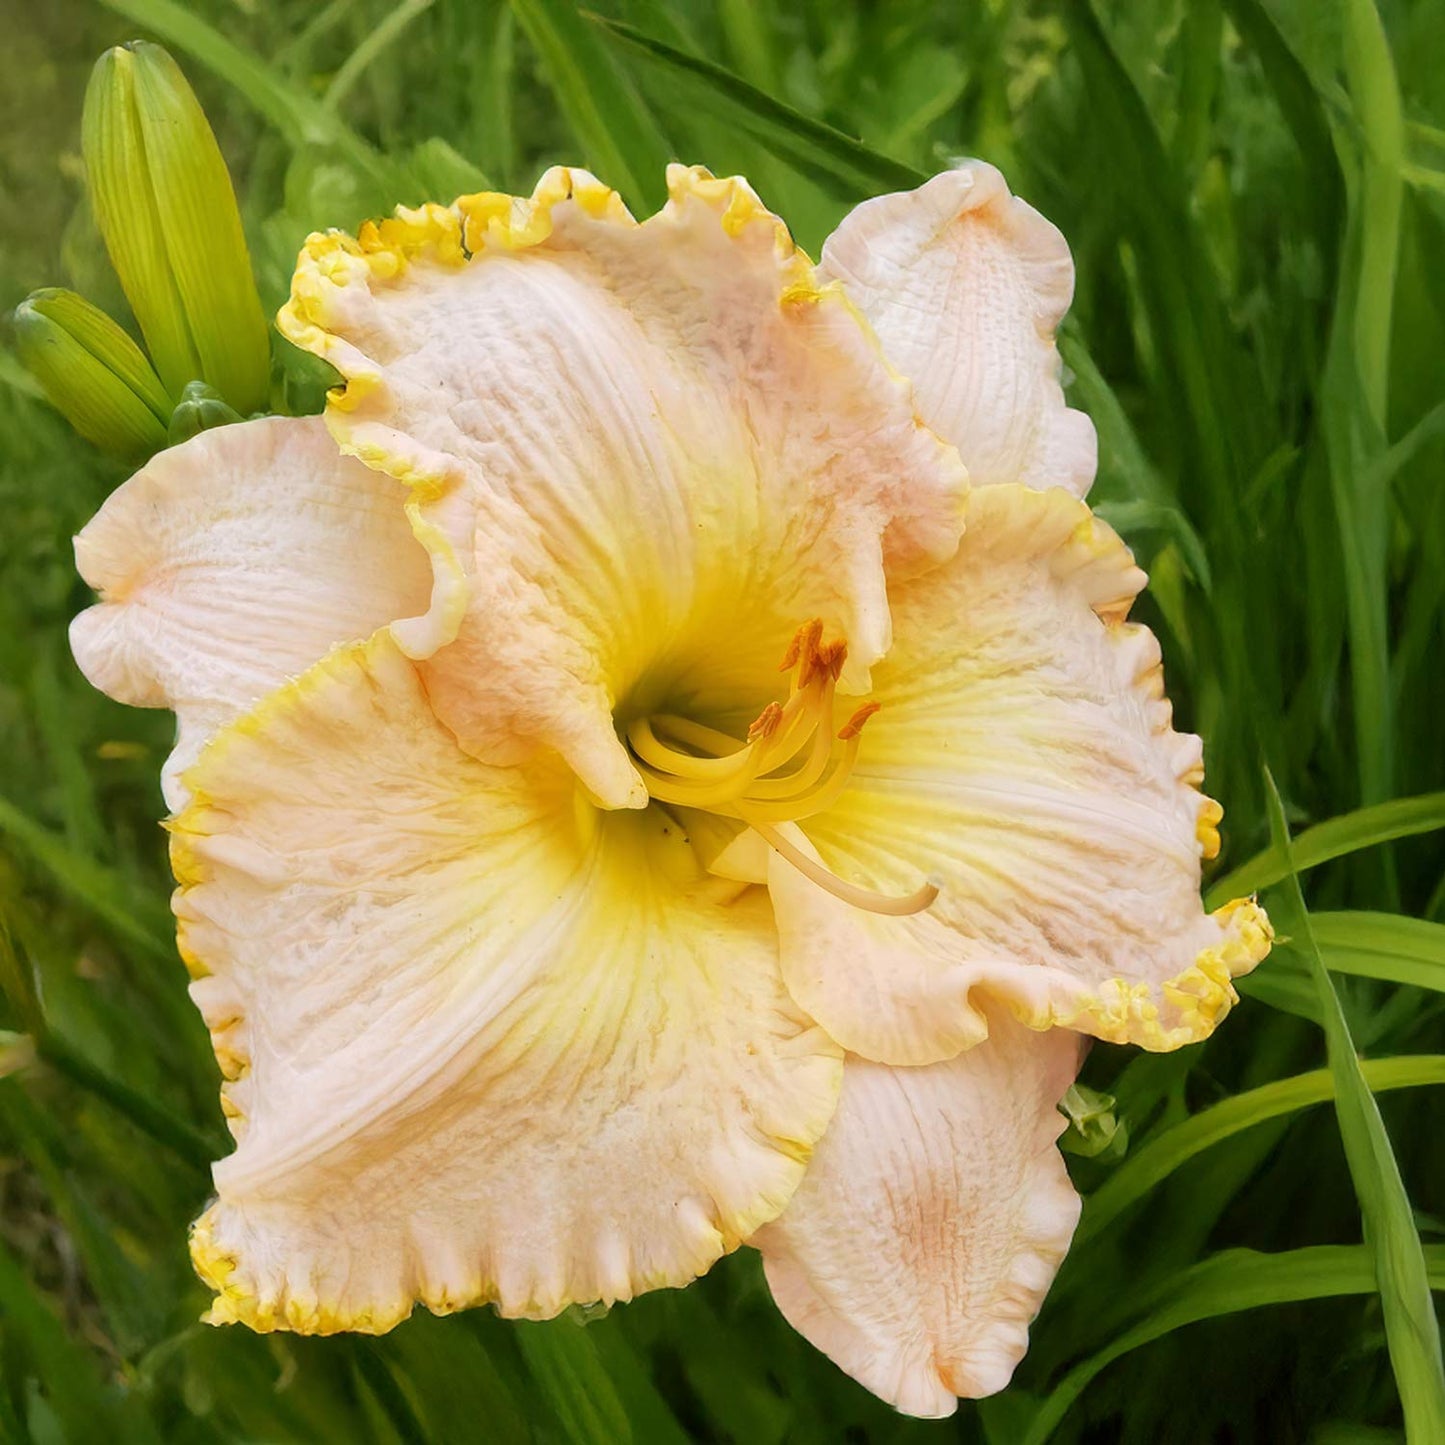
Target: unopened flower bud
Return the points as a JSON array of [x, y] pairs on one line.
[[199, 409], [92, 373], [163, 200], [1095, 1127]]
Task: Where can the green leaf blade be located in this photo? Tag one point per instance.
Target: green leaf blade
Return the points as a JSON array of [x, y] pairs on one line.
[[618, 136], [1411, 1329]]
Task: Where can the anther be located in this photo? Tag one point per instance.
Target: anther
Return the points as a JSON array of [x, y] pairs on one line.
[[766, 722], [854, 725], [804, 644]]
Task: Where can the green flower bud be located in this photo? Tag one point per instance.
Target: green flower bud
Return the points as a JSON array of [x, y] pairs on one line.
[[92, 373], [1095, 1131], [199, 409], [163, 200]]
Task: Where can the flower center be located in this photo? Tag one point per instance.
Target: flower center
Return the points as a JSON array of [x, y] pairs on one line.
[[789, 767]]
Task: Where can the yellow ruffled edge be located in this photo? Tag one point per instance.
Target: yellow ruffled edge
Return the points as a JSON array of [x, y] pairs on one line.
[[308, 1312], [1200, 996], [1196, 1000], [236, 1305], [190, 869], [489, 221], [1187, 1008], [1097, 555], [226, 1029]]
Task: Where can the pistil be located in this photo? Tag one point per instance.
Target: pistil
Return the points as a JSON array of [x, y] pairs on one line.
[[788, 768]]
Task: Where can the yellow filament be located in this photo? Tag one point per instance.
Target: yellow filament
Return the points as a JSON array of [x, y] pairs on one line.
[[695, 766], [810, 801], [646, 745], [864, 898], [695, 735]]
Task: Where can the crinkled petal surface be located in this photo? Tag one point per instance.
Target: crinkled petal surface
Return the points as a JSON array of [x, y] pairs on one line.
[[932, 1220], [1023, 758], [483, 1041], [965, 285], [624, 442], [235, 561]]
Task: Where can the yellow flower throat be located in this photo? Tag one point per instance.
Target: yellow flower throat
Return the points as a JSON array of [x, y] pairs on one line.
[[788, 768]]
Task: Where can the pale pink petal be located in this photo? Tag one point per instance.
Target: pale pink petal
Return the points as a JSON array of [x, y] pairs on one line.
[[965, 285], [932, 1220], [233, 562]]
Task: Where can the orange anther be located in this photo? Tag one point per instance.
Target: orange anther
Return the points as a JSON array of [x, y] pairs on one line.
[[854, 725], [766, 722], [831, 658], [804, 646]]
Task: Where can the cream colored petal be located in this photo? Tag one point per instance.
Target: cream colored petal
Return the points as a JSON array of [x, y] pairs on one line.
[[965, 285], [932, 1220], [641, 454], [1025, 760], [483, 1041], [234, 561]]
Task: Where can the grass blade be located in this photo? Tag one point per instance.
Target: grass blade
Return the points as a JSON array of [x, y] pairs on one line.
[[299, 118], [564, 1362], [152, 1119], [789, 134], [92, 885], [1411, 1329], [386, 33], [1356, 385], [615, 129], [1363, 828], [1370, 73], [1156, 1160], [1383, 945], [1236, 1280], [83, 1406]]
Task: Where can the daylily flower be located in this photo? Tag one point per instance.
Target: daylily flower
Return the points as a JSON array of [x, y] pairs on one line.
[[553, 940]]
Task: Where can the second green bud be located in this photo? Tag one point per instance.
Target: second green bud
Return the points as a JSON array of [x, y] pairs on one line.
[[163, 200]]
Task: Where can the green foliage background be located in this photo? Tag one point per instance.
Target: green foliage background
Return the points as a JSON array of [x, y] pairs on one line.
[[1255, 194]]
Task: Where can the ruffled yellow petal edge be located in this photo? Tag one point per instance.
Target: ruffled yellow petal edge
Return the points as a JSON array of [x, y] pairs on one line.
[[1096, 559], [235, 1305], [333, 268], [1128, 1013], [191, 870]]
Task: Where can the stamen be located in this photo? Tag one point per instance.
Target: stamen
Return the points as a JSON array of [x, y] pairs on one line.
[[817, 762], [805, 643], [695, 766], [864, 898]]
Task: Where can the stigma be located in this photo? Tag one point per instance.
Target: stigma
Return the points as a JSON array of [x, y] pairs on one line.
[[794, 763]]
